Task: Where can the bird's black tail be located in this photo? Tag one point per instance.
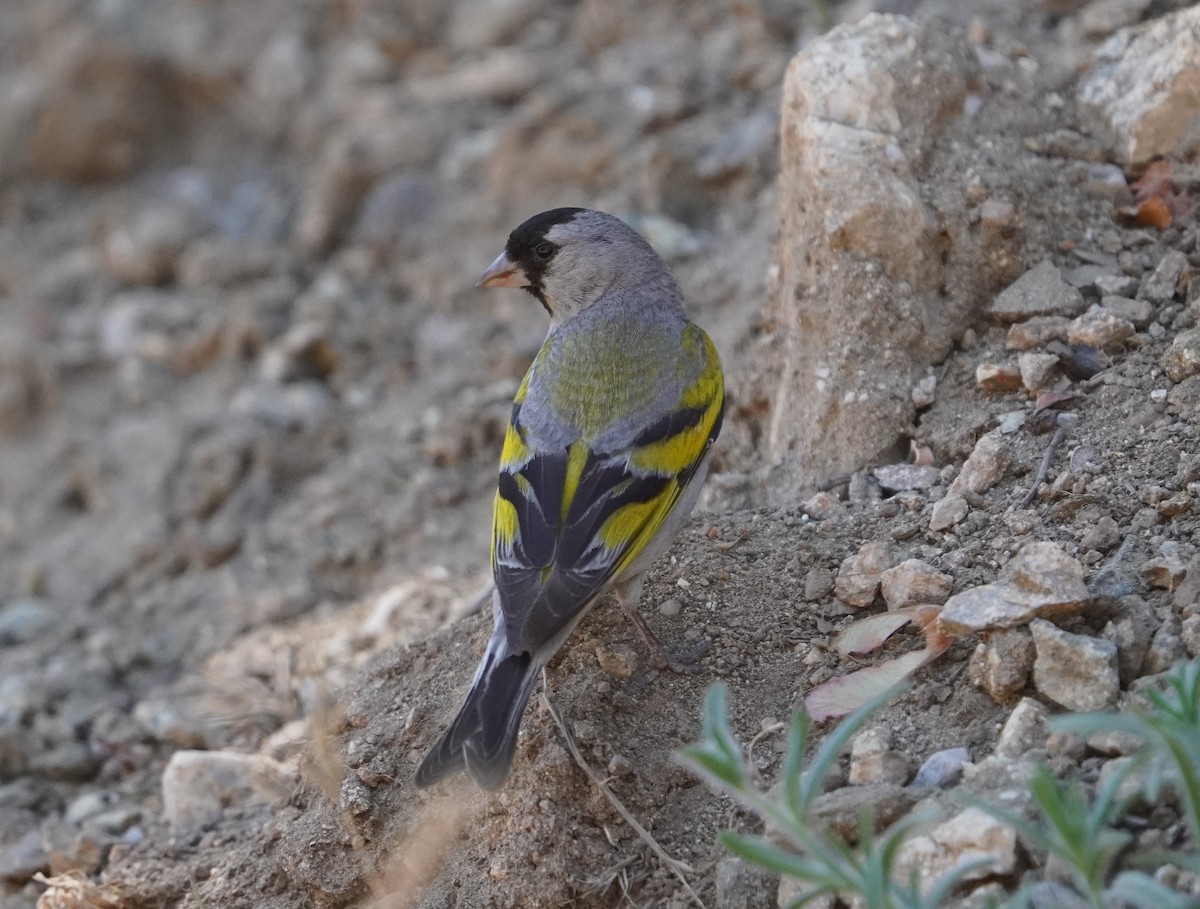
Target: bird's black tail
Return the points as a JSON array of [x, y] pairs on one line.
[[483, 737]]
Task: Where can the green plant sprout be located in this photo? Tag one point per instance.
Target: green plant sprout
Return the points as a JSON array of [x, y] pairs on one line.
[[1078, 826]]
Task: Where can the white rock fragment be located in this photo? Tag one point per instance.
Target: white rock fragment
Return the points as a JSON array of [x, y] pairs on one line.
[[947, 512], [1073, 670], [924, 393], [197, 786], [941, 769], [144, 248], [1024, 730], [873, 761], [1165, 572], [1136, 312], [1036, 332], [1116, 285], [985, 466], [1144, 85], [903, 477], [1038, 371], [1160, 285]]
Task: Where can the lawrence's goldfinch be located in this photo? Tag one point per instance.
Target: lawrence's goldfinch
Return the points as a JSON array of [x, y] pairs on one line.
[[609, 441]]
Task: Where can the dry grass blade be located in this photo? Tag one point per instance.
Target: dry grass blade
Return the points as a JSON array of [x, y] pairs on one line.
[[677, 867], [416, 859], [419, 856], [769, 729]]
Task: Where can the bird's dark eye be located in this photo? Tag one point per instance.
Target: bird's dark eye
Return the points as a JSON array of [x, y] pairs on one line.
[[544, 250]]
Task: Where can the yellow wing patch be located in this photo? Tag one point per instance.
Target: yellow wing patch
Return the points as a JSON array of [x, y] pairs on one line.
[[576, 459], [515, 452], [675, 454], [504, 524], [632, 526]]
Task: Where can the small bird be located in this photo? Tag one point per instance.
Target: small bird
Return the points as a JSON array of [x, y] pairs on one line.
[[609, 441]]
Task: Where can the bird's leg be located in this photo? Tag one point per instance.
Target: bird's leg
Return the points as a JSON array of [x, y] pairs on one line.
[[628, 595]]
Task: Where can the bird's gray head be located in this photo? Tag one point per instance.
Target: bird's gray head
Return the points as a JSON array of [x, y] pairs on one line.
[[568, 258]]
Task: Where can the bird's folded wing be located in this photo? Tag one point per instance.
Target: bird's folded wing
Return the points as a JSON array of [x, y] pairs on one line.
[[566, 522]]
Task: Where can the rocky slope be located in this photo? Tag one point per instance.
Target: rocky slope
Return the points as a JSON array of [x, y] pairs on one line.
[[250, 405]]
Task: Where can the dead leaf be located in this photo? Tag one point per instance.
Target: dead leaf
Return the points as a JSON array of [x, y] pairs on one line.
[[844, 694], [869, 634], [1051, 398], [1157, 203], [1154, 181], [1151, 213]]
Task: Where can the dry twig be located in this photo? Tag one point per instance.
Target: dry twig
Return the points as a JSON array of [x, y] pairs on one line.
[[676, 866], [1064, 426], [742, 537]]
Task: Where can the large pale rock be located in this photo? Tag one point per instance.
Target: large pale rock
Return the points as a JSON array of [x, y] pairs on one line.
[[914, 582], [972, 837], [1144, 86], [197, 786], [1041, 580], [857, 297], [1074, 670], [895, 81]]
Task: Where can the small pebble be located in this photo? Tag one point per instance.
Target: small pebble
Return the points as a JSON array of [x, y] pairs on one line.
[[941, 769], [998, 378]]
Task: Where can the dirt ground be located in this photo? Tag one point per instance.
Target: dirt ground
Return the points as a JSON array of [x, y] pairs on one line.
[[250, 406]]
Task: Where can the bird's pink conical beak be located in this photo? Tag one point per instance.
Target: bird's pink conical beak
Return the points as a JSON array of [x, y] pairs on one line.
[[502, 273]]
